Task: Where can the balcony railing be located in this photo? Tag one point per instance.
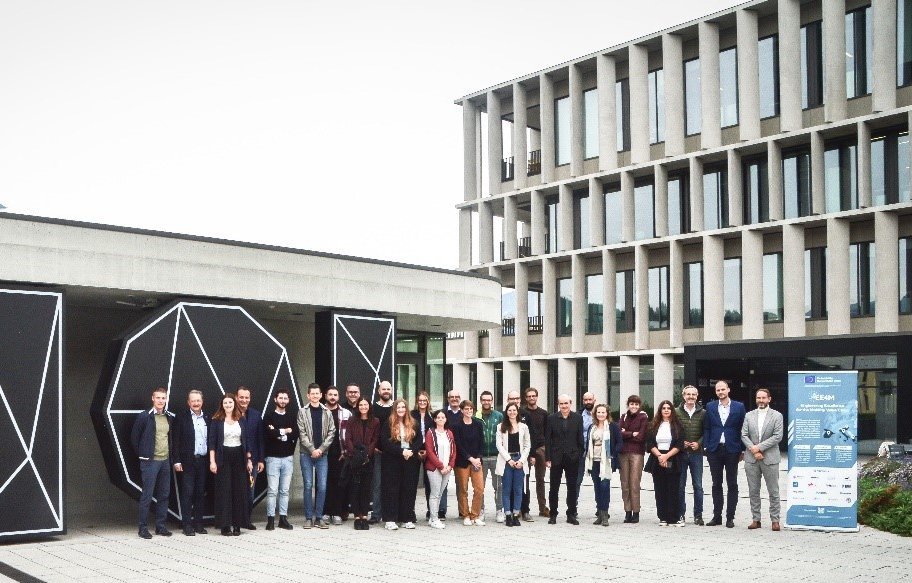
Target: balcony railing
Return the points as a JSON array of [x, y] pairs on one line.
[[535, 325], [506, 169], [523, 248], [534, 166], [455, 335], [508, 327]]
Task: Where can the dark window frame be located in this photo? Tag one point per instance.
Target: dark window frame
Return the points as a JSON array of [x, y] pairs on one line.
[[624, 110], [578, 195], [867, 298], [688, 321], [779, 291], [683, 177], [657, 97], [813, 66], [628, 324], [563, 325], [890, 137], [664, 282], [737, 88], [776, 80], [585, 129], [763, 197], [721, 193], [846, 176], [815, 257], [863, 85], [795, 152]]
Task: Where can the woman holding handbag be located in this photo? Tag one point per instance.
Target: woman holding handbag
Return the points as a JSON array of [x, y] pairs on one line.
[[664, 441]]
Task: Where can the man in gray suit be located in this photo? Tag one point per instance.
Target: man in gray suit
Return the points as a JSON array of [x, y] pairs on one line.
[[761, 434]]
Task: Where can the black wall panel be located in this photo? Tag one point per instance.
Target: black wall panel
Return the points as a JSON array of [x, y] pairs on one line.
[[355, 347]]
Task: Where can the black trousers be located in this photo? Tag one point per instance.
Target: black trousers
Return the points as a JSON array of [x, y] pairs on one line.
[[361, 489], [193, 490], [666, 485], [231, 486], [399, 486], [719, 461], [569, 468], [336, 500]]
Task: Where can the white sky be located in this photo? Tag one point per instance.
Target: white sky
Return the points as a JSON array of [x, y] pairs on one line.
[[312, 124]]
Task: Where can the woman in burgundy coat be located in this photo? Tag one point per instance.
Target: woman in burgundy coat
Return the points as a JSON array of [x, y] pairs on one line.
[[633, 429], [362, 433]]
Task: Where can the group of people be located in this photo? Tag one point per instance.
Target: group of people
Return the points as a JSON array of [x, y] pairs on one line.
[[364, 459]]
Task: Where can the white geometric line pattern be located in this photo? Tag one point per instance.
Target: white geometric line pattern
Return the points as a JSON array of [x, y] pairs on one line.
[[375, 368]]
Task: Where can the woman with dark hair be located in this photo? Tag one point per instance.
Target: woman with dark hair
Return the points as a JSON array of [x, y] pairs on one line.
[[423, 422], [469, 434], [664, 441], [361, 435], [513, 448], [438, 464], [399, 444], [633, 431], [229, 460], [603, 446]]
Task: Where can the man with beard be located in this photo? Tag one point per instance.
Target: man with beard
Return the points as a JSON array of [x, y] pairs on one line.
[[491, 419], [382, 408], [761, 433], [537, 419], [255, 441], [352, 394], [281, 429], [691, 415], [586, 413], [336, 505]]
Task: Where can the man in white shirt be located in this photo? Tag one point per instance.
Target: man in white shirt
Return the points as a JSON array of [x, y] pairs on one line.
[[761, 433]]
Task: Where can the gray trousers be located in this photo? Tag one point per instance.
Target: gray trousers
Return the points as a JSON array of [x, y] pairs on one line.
[[770, 474], [488, 466]]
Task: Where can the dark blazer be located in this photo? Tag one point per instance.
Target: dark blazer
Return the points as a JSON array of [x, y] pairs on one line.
[[428, 424], [394, 448], [677, 438], [713, 428], [184, 436], [564, 439], [255, 436], [143, 435], [356, 433], [217, 439]]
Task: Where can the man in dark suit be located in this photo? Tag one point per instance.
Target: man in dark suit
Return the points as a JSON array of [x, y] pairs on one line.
[[151, 439], [724, 450], [563, 451], [255, 440], [190, 455]]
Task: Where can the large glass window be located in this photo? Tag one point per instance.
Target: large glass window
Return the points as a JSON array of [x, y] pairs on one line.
[[756, 191], [590, 124], [815, 283], [678, 203], [622, 113], [594, 303], [732, 290], [903, 42], [859, 52], [564, 306], [643, 204], [562, 131], [890, 167], [768, 56], [840, 179], [658, 298], [614, 213], [861, 279], [811, 65], [693, 294], [582, 220], [905, 276], [656, 106], [715, 198], [772, 287], [625, 300], [551, 212], [693, 114], [796, 183], [728, 86], [535, 309]]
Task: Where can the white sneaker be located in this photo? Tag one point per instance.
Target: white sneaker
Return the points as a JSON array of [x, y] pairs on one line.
[[467, 521], [391, 526], [435, 523], [479, 521], [501, 517], [409, 526], [337, 520], [663, 523], [679, 524]]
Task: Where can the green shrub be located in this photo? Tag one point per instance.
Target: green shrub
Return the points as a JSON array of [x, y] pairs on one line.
[[885, 500]]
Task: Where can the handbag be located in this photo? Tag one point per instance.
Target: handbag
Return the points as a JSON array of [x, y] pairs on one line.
[[652, 464]]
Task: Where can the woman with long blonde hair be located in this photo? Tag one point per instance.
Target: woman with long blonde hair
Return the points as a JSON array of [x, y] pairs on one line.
[[400, 442]]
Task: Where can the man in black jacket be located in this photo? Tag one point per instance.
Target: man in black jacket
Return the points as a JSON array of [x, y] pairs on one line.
[[256, 443], [151, 440], [191, 461], [563, 451]]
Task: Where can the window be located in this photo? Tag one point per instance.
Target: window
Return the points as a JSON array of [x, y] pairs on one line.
[[815, 283], [732, 290], [507, 304], [756, 191], [594, 303], [678, 203], [693, 114], [551, 213], [535, 310], [591, 124], [564, 306], [622, 113], [796, 187], [840, 177], [643, 203], [656, 106], [811, 65], [693, 294], [658, 298], [562, 131], [772, 287], [768, 56], [582, 379], [890, 167], [905, 276], [903, 42], [581, 214], [614, 213], [861, 279], [728, 87], [715, 198], [859, 52], [625, 300]]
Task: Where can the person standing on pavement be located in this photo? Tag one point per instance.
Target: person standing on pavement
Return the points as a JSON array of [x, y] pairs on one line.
[[664, 442], [761, 433], [361, 438], [440, 446], [586, 413], [724, 450], [399, 442], [468, 432], [536, 419], [336, 508], [281, 429], [254, 420], [317, 433], [151, 439], [603, 446], [381, 409], [231, 461], [563, 454], [691, 415], [513, 447], [421, 414], [190, 455], [633, 431], [491, 419]]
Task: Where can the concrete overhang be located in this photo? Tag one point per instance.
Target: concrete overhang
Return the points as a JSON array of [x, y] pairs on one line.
[[115, 267]]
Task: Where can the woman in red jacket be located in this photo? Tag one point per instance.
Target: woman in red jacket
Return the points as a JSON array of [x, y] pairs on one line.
[[633, 430], [438, 462]]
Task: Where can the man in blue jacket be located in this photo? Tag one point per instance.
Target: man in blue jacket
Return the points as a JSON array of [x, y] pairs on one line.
[[256, 442], [151, 440], [724, 450]]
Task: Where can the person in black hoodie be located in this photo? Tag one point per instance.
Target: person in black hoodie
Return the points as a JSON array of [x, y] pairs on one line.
[[399, 444]]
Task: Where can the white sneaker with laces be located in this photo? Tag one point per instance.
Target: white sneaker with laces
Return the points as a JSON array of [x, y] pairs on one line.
[[409, 526], [679, 524], [467, 521], [435, 523], [663, 523], [391, 526], [479, 521], [501, 517]]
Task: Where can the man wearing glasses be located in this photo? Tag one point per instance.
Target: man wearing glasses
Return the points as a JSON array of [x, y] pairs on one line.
[[691, 415]]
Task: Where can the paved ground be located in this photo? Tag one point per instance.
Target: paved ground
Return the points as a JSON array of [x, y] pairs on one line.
[[534, 552]]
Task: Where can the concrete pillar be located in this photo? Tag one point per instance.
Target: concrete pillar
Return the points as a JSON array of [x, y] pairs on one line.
[[485, 380], [578, 315], [735, 190], [606, 78], [546, 111], [495, 335], [520, 147], [713, 288], [884, 52], [469, 153], [627, 221], [598, 378], [818, 194], [471, 344], [609, 327], [774, 181], [641, 267], [711, 136], [752, 284], [538, 378], [676, 293], [510, 235], [793, 280], [673, 73], [596, 213], [660, 180], [834, 60], [748, 75], [521, 285], [539, 223], [663, 378], [837, 266], [565, 218], [630, 377], [577, 121], [511, 373], [480, 188], [465, 238], [549, 306], [485, 232], [789, 16], [495, 144], [461, 378], [638, 64], [696, 195], [566, 379], [886, 259], [864, 165]]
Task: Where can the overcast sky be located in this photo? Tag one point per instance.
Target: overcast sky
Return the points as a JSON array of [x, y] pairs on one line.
[[316, 125]]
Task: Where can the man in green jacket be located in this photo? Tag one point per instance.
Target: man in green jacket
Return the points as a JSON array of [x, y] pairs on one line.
[[691, 415]]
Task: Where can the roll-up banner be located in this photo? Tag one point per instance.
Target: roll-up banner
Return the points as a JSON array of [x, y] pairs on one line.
[[823, 451]]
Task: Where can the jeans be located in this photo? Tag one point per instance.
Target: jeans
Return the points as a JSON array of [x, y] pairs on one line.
[[488, 466], [720, 460], [309, 467], [156, 479], [278, 477], [694, 462], [512, 487], [377, 489], [602, 486]]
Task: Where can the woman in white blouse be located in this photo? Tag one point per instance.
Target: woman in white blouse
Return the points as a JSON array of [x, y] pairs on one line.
[[513, 447], [664, 441], [229, 460]]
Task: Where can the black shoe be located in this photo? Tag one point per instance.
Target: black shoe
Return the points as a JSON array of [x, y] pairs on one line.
[[236, 531], [144, 533], [509, 520], [635, 518], [441, 515], [552, 520], [200, 530], [270, 523], [358, 524], [284, 524], [516, 521], [698, 520], [365, 524], [571, 519], [628, 517], [188, 531], [250, 526], [162, 531], [716, 521], [729, 523], [373, 520], [226, 531]]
